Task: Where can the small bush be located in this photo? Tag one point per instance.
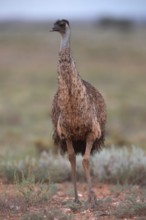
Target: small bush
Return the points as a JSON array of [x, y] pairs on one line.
[[32, 193], [121, 165]]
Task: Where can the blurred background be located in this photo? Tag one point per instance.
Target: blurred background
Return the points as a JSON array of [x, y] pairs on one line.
[[109, 47]]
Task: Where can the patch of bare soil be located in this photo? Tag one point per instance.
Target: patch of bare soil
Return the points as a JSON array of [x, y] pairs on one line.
[[14, 207]]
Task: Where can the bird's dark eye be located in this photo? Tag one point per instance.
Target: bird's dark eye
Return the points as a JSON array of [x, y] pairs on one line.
[[62, 24]]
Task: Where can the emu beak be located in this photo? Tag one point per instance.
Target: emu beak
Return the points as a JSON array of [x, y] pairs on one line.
[[53, 29]]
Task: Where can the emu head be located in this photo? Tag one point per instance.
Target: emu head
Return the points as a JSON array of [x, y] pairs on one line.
[[61, 26]]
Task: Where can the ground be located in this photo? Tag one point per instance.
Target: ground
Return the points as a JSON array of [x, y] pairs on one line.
[[61, 205]]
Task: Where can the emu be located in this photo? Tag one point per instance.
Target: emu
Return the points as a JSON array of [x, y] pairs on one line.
[[78, 112]]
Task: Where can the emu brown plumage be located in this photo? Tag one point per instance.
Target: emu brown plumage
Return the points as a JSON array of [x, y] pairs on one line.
[[78, 113]]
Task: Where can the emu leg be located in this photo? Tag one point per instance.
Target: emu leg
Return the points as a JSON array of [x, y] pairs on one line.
[[72, 159], [86, 166]]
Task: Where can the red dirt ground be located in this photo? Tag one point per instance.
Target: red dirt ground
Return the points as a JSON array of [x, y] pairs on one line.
[[62, 201]]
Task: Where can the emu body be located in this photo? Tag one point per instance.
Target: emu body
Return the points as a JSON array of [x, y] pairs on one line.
[[78, 112]]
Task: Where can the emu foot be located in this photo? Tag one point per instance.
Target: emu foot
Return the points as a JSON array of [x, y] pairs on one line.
[[92, 200], [77, 201]]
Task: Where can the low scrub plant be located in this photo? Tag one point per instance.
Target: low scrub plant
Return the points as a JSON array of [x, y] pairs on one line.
[[122, 165], [131, 207], [25, 195], [114, 165], [33, 193]]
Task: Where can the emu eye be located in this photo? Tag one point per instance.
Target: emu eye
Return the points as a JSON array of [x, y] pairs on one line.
[[62, 24]]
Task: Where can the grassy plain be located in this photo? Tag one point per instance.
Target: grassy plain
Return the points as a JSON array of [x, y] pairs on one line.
[[113, 61]]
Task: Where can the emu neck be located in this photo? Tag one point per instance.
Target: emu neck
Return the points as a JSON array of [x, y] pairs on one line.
[[65, 40], [70, 83], [71, 88]]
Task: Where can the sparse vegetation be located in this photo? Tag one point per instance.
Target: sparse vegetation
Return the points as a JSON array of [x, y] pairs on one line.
[[33, 193], [26, 194], [133, 205], [114, 165], [55, 214]]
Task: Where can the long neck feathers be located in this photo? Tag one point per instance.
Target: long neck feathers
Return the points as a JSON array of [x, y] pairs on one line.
[[72, 91], [65, 40]]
